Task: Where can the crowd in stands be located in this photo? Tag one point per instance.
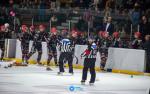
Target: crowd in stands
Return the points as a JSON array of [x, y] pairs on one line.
[[135, 11]]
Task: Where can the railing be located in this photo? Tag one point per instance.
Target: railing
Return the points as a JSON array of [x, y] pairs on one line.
[[44, 15], [33, 12]]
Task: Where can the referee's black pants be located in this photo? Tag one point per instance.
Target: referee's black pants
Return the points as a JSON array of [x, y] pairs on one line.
[[68, 57], [89, 63]]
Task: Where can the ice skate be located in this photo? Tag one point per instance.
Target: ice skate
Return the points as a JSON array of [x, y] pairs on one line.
[[60, 73], [24, 64], [10, 65], [6, 67], [48, 69], [71, 73], [91, 84], [83, 82], [40, 64]]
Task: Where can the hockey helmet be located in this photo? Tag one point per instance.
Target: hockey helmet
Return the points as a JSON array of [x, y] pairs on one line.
[[74, 33], [137, 34], [2, 28], [32, 28], [6, 25], [93, 46], [41, 27], [116, 34], [24, 28], [105, 34]]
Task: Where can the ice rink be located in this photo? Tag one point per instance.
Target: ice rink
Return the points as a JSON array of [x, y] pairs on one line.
[[36, 80]]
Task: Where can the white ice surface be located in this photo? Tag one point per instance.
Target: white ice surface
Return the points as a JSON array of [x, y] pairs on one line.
[[36, 80]]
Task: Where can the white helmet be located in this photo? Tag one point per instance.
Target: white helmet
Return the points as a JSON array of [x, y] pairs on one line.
[[6, 25], [94, 46]]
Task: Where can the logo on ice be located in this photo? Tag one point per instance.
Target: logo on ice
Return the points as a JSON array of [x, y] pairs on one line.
[[75, 88]]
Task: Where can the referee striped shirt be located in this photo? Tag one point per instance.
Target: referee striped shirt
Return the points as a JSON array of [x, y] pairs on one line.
[[89, 53], [65, 45]]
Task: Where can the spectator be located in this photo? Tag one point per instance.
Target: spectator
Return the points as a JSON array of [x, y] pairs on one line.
[[107, 8], [144, 27], [87, 15], [15, 6], [119, 4], [42, 10], [95, 4], [53, 4], [110, 6], [102, 4], [135, 16], [108, 26], [57, 4], [53, 21], [130, 4], [3, 15]]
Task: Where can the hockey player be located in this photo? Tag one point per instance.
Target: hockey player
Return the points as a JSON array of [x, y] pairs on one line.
[[65, 53], [32, 32], [8, 31], [52, 43], [89, 62], [2, 40], [74, 39], [25, 39], [5, 33], [103, 43], [136, 43], [116, 40], [37, 43], [146, 47], [74, 36]]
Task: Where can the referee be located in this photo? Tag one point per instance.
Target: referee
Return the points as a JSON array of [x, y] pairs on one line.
[[89, 62], [66, 49]]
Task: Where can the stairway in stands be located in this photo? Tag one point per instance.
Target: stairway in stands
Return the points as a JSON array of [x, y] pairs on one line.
[[65, 25], [27, 19]]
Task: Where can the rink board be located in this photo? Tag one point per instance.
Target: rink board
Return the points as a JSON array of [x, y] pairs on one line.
[[18, 54], [126, 59], [77, 59], [119, 59]]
